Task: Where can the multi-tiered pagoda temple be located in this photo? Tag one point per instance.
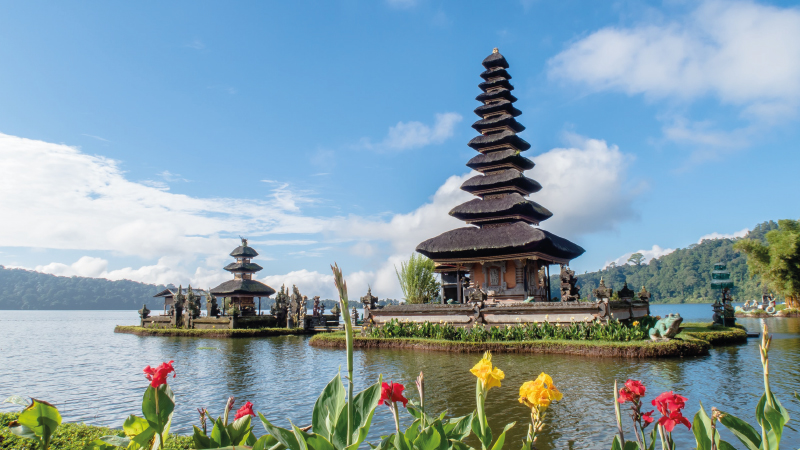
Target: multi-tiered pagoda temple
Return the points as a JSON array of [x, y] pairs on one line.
[[501, 251], [243, 289]]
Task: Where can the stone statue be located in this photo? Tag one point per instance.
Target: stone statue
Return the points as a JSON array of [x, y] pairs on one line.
[[144, 313], [212, 308], [280, 308], [570, 291], [316, 312], [644, 296], [602, 292], [369, 301], [477, 296], [666, 328], [625, 294], [354, 314], [336, 311]]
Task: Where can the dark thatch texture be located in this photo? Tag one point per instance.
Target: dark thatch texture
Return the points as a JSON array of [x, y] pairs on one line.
[[502, 93], [512, 204], [519, 237], [500, 106], [243, 267], [247, 252], [504, 120], [495, 60], [249, 288], [494, 73], [503, 137], [486, 85], [497, 158], [501, 179]]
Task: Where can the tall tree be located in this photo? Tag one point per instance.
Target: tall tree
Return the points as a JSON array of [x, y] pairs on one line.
[[417, 279], [778, 261], [636, 259]]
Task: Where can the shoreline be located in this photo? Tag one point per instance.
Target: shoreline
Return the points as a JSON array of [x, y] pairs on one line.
[[694, 340], [214, 333]]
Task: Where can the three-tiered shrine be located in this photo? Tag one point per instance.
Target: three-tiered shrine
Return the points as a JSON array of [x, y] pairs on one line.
[[501, 251], [243, 289]]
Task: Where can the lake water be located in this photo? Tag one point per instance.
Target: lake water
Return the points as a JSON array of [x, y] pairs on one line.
[[74, 360]]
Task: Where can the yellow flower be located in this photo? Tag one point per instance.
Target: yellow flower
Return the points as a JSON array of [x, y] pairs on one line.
[[490, 376], [635, 323], [539, 392]]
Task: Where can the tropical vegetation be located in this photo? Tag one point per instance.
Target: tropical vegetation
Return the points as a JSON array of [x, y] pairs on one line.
[[418, 279]]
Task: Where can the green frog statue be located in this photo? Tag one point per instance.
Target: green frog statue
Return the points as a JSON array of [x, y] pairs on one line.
[[666, 328]]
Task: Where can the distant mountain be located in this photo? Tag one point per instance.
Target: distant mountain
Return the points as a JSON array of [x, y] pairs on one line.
[[683, 276], [25, 289]]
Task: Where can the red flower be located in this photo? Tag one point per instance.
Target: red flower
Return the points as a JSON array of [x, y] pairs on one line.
[[648, 417], [245, 410], [673, 419], [631, 392], [158, 376], [392, 393], [669, 402]]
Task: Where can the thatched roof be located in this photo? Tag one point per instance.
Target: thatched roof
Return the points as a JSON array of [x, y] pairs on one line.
[[495, 60], [502, 105], [506, 120], [470, 243], [502, 93], [245, 251], [512, 204], [243, 267], [494, 73], [493, 159], [501, 178], [500, 82], [246, 288], [503, 137]]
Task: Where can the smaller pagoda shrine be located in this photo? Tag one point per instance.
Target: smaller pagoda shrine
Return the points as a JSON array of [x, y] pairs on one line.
[[724, 313], [243, 289]]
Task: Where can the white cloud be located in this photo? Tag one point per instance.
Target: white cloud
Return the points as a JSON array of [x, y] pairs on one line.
[[653, 253], [407, 135], [738, 234]]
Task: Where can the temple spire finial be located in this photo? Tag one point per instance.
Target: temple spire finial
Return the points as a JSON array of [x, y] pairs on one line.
[[495, 50]]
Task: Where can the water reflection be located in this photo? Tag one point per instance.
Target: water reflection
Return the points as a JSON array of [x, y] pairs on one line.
[[93, 375]]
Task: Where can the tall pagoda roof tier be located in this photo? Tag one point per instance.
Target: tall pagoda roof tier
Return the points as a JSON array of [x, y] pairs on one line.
[[495, 83], [496, 94], [508, 180], [501, 121], [513, 240], [511, 206], [495, 72], [495, 60], [502, 159], [243, 267], [505, 138], [250, 288], [244, 251]]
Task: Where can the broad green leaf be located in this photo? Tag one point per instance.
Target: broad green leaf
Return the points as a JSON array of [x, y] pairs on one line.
[[219, 434], [498, 445], [458, 428], [300, 437], [17, 400], [701, 427], [238, 430], [117, 441], [746, 434], [201, 441], [267, 442], [725, 446], [428, 439], [328, 407], [143, 439], [283, 435], [97, 444], [776, 422], [134, 425], [631, 445], [364, 403], [615, 445], [317, 442], [444, 443], [157, 407], [41, 417], [413, 431]]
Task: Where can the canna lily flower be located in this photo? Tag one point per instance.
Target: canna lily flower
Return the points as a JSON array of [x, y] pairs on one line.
[[539, 393], [669, 402], [245, 410], [635, 323], [632, 391], [158, 376], [392, 393], [674, 418], [490, 376], [648, 417]]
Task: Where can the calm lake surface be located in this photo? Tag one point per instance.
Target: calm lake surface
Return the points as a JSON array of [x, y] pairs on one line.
[[74, 360]]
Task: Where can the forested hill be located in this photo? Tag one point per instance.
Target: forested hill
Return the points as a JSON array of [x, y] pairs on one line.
[[683, 276], [25, 289]]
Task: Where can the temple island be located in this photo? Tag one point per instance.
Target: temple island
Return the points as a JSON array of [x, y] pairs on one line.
[[496, 270], [240, 306]]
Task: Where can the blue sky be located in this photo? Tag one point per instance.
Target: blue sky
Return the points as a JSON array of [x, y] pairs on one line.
[[139, 140]]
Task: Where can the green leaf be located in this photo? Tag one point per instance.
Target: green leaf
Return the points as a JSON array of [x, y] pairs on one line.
[[458, 428], [300, 437], [746, 434], [725, 446], [201, 441], [328, 407], [21, 430], [143, 439], [776, 422], [117, 441], [159, 417], [631, 445], [41, 417], [17, 400], [701, 427], [364, 405], [413, 431], [219, 434], [428, 439], [498, 445], [317, 442], [476, 428], [615, 445], [284, 436], [134, 425], [267, 442], [98, 444], [239, 430]]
